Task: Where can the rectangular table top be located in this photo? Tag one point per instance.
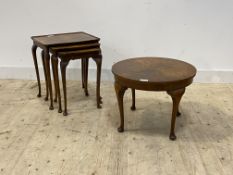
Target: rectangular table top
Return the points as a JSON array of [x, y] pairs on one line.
[[73, 47], [64, 38], [77, 54]]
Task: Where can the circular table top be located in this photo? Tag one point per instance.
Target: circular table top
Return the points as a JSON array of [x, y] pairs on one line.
[[154, 73]]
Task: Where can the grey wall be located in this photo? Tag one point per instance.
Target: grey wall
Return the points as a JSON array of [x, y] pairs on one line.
[[197, 31]]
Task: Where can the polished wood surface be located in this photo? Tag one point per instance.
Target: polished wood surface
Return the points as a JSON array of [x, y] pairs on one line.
[[71, 47], [152, 74], [78, 53], [64, 39]]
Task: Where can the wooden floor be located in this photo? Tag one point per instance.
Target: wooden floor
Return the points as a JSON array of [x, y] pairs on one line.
[[34, 140]]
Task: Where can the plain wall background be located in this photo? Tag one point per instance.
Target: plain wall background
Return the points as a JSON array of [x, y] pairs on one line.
[[197, 31]]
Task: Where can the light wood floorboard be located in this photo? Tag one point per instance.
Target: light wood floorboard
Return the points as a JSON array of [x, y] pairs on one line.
[[35, 140]]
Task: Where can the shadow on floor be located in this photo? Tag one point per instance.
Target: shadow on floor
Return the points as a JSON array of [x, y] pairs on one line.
[[198, 122]]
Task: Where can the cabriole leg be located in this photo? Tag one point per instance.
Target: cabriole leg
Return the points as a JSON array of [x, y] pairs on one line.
[[86, 76], [98, 61], [45, 76], [176, 97], [47, 65], [133, 107], [56, 81], [34, 48], [120, 91], [63, 65]]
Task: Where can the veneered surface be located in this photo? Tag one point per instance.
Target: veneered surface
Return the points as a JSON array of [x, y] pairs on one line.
[[64, 38], [154, 70]]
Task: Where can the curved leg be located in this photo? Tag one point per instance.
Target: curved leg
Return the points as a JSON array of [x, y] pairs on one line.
[[63, 65], [98, 61], [86, 61], [45, 75], [34, 48], [54, 78], [120, 91], [82, 69], [133, 107], [176, 97], [47, 66], [56, 81]]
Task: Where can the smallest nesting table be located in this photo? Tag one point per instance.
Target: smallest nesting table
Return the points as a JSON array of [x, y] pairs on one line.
[[153, 74]]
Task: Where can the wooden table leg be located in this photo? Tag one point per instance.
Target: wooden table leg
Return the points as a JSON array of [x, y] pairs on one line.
[[56, 81], [133, 107], [120, 91], [86, 61], [45, 76], [176, 97], [99, 64], [54, 77], [82, 69], [47, 66], [34, 48], [63, 65]]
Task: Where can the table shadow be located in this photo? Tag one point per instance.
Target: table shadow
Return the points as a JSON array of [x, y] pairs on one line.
[[198, 122]]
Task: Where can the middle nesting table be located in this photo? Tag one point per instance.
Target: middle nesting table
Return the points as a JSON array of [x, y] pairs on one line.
[[73, 52]]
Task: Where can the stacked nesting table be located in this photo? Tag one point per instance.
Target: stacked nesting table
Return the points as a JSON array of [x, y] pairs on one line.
[[66, 47]]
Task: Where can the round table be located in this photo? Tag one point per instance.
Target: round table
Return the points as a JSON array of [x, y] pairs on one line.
[[152, 74]]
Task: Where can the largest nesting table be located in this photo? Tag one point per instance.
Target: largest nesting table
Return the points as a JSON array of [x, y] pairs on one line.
[[153, 74]]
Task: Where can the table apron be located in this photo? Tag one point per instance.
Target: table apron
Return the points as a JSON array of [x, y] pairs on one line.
[[153, 86]]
